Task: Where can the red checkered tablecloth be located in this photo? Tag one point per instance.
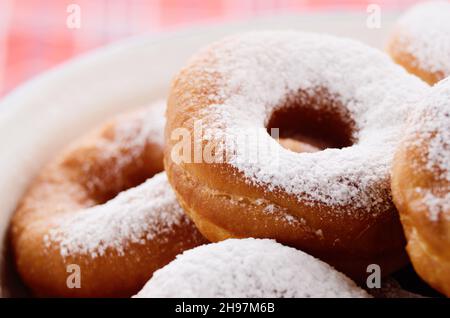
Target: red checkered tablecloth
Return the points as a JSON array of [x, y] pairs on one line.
[[34, 35]]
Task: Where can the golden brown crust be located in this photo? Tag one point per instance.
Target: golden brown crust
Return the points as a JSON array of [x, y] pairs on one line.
[[44, 270], [90, 172], [223, 204], [350, 244], [396, 48], [427, 240], [297, 145]]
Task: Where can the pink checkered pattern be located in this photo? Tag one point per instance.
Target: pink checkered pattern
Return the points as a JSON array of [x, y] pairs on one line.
[[34, 35]]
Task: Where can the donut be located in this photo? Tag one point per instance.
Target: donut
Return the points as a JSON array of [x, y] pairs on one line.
[[297, 145], [420, 41], [421, 187], [334, 204], [90, 212], [243, 268]]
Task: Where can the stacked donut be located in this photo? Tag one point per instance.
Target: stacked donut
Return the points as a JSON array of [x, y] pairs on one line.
[[93, 208], [421, 187], [421, 168], [420, 41], [281, 147]]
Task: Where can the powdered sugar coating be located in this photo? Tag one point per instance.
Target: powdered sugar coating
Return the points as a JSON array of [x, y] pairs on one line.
[[121, 146], [430, 128], [260, 70], [151, 125], [134, 216], [425, 34], [248, 268]]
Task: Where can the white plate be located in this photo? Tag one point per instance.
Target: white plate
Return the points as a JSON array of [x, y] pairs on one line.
[[37, 119]]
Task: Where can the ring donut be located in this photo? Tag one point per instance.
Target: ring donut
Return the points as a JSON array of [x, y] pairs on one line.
[[421, 187], [335, 203], [78, 215], [248, 268], [420, 41]]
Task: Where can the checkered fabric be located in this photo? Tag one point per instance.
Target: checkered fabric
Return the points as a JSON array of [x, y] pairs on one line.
[[34, 34]]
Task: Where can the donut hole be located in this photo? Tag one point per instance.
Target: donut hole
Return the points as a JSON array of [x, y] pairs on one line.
[[104, 170], [312, 123], [127, 180], [112, 184]]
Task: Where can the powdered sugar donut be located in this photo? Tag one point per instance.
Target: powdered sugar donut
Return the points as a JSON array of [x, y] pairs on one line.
[[334, 204], [69, 224], [248, 268], [421, 187], [420, 41]]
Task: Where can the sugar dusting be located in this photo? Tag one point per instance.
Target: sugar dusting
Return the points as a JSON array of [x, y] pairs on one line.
[[248, 268], [260, 70], [430, 126], [425, 34], [135, 216], [131, 133], [151, 125]]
